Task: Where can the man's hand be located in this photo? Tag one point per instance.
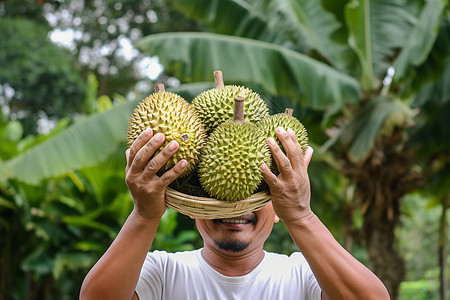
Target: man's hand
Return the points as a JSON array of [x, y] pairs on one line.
[[147, 189], [290, 190]]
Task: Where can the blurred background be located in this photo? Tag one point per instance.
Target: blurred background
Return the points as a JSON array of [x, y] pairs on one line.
[[370, 80]]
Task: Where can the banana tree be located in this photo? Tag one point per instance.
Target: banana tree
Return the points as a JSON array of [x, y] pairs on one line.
[[359, 63]]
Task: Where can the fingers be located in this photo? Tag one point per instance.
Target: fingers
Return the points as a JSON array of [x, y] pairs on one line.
[[270, 178], [290, 144], [282, 162], [142, 161], [169, 176], [142, 139], [291, 134], [285, 162], [308, 156], [159, 160], [127, 155], [143, 155], [294, 158]]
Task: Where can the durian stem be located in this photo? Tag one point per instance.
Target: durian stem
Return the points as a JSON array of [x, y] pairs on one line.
[[289, 111], [159, 87], [238, 116], [218, 79]]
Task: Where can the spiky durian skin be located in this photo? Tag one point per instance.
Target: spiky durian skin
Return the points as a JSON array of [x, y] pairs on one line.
[[171, 115], [230, 160], [269, 125], [216, 105]]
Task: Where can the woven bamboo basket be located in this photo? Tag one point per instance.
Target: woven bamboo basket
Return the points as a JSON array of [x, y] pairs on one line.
[[209, 208]]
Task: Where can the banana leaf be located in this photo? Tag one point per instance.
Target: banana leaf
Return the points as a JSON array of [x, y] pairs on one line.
[[193, 57], [421, 40], [360, 133], [377, 29], [85, 143]]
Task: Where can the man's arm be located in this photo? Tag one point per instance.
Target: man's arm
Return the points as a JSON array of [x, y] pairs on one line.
[[116, 274], [338, 273]]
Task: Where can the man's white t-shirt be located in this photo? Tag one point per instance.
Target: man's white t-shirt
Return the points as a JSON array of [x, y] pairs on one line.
[[186, 275]]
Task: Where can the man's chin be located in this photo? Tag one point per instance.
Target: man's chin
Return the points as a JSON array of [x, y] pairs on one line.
[[231, 245]]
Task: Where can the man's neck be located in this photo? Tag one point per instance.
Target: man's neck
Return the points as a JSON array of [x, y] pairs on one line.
[[233, 264]]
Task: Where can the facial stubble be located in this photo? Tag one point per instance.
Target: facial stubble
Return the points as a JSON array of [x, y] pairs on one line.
[[231, 245]]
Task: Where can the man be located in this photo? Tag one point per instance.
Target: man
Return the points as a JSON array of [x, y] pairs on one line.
[[232, 264]]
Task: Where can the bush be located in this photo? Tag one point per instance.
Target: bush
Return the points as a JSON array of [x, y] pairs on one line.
[[418, 290]]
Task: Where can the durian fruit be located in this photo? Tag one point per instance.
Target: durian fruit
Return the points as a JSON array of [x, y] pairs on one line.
[[285, 120], [230, 160], [169, 114], [216, 105]]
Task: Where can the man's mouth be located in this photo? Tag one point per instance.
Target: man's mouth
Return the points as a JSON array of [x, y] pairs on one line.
[[246, 219], [235, 221]]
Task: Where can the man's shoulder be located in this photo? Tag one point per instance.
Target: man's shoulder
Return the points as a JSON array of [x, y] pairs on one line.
[[284, 257], [178, 256], [175, 253], [294, 259]]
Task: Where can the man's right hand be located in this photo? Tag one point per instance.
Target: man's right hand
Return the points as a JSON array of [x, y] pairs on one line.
[[147, 189]]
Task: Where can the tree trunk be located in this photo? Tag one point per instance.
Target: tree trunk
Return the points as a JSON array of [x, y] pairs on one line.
[[380, 183], [383, 256], [442, 250]]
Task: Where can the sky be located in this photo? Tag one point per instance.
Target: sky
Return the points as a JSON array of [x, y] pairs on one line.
[[149, 67]]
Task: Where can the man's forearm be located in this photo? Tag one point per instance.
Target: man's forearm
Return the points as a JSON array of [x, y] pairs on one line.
[[339, 274], [116, 274]]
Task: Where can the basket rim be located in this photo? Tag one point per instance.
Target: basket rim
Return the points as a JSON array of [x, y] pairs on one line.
[[211, 208]]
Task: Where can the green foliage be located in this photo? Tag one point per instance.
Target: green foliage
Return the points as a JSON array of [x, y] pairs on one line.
[[280, 241], [359, 135], [419, 235], [44, 81], [10, 133], [434, 75], [52, 232], [302, 26], [27, 9], [89, 141], [418, 244], [368, 23], [66, 229], [418, 290], [433, 136], [170, 238], [421, 40]]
